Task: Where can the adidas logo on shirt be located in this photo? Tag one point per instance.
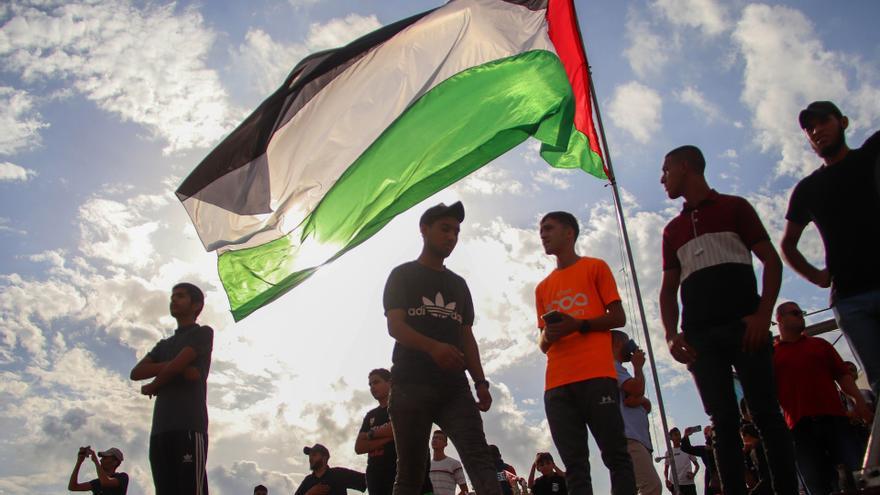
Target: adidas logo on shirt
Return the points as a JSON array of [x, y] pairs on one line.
[[438, 308]]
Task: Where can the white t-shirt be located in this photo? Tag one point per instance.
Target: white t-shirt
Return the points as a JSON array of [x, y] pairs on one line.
[[683, 465], [446, 475]]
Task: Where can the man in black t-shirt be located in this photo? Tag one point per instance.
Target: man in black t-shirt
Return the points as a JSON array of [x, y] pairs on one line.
[[841, 197], [180, 365], [325, 480], [108, 482], [552, 480], [376, 437], [430, 313]]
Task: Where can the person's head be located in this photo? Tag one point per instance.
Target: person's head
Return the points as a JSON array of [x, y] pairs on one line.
[[110, 459], [675, 435], [318, 456], [380, 383], [187, 300], [790, 318], [440, 225], [825, 127], [261, 490], [439, 440], [544, 463], [495, 452], [559, 231], [707, 432], [622, 346], [744, 410], [681, 167], [852, 369]]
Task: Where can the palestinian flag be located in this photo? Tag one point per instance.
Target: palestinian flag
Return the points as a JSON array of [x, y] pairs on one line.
[[359, 134]]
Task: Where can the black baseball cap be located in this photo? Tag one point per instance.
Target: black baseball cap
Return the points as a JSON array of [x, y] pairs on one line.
[[455, 210], [317, 448], [818, 109]]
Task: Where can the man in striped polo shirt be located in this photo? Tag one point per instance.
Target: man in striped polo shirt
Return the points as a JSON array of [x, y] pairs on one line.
[[707, 251]]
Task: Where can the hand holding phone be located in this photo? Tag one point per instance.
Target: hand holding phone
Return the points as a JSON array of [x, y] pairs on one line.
[[551, 317]]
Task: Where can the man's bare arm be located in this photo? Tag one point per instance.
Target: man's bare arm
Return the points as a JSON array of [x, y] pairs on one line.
[[798, 262]]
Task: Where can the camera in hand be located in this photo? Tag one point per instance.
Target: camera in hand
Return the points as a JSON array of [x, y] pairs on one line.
[[629, 348], [692, 429]]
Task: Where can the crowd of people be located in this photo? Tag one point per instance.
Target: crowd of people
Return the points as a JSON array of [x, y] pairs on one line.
[[802, 423]]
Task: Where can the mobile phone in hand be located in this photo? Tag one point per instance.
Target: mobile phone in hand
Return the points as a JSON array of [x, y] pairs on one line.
[[551, 317]]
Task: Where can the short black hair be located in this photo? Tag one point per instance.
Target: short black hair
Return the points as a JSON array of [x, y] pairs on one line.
[[381, 373], [565, 218], [261, 487], [440, 432], [779, 307], [674, 428], [750, 430], [195, 294], [690, 154], [545, 456]]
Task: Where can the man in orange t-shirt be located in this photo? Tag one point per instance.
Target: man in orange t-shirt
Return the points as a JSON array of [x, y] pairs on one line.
[[577, 306]]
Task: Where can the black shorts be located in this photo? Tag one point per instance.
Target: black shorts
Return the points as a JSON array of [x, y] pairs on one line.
[[177, 459], [380, 479]]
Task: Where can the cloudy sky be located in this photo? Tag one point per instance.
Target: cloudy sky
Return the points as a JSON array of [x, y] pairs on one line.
[[105, 106]]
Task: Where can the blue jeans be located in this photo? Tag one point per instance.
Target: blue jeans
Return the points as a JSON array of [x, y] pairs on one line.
[[859, 318], [823, 442], [719, 351]]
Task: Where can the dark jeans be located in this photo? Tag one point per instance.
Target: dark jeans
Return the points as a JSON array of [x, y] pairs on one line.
[[859, 319], [570, 410], [719, 348], [685, 489], [823, 442], [413, 409]]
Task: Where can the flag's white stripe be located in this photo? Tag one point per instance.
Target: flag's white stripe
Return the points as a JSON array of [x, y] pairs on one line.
[[311, 152]]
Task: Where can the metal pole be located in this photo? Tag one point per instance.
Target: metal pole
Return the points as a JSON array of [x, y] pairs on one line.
[[632, 266]]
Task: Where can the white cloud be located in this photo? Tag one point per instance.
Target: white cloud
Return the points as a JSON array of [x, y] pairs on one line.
[[709, 16], [636, 109], [695, 99], [267, 62], [146, 66], [489, 180], [20, 124], [648, 52], [787, 66], [729, 153], [116, 232], [5, 227], [558, 178], [10, 172]]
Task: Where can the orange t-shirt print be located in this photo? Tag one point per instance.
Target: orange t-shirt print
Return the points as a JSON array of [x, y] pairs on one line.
[[582, 291]]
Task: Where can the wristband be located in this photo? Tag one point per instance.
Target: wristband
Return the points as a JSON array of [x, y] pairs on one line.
[[477, 383], [585, 326]]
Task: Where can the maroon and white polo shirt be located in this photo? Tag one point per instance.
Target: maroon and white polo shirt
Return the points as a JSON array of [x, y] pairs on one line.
[[711, 244]]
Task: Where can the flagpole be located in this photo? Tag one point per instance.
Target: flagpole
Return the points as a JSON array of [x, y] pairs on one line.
[[620, 217]]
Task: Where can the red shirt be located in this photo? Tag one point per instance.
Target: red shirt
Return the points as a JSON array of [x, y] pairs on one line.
[[805, 378]]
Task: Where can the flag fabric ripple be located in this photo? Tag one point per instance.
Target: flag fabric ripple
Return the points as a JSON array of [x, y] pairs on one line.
[[359, 134]]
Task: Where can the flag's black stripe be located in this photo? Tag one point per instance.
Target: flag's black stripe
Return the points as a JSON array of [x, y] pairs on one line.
[[530, 4], [248, 142]]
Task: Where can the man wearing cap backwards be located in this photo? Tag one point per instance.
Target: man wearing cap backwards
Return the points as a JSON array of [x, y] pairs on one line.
[[108, 482], [577, 305], [180, 365], [841, 197], [430, 312], [326, 480]]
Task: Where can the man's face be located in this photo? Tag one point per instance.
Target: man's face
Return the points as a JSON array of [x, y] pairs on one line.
[[853, 371], [438, 441], [109, 463], [825, 133], [379, 387], [545, 466], [790, 318], [317, 460], [181, 304], [672, 175], [441, 236], [555, 236], [675, 435]]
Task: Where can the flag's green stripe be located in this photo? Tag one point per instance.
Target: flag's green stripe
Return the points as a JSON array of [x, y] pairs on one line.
[[457, 127]]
